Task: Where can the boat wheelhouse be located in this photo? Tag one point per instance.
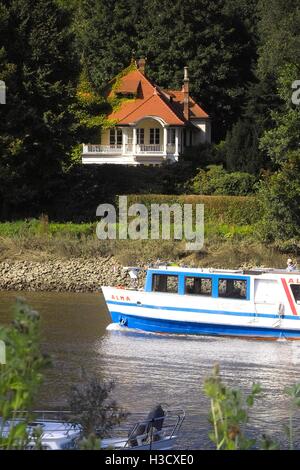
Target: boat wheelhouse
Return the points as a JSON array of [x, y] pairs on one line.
[[255, 303]]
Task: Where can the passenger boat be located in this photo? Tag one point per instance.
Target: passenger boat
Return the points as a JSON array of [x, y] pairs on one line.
[[260, 303], [158, 431]]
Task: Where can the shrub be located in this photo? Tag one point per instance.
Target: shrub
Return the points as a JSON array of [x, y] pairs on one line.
[[21, 376], [215, 180], [239, 210], [280, 199], [229, 413], [205, 154], [93, 409]]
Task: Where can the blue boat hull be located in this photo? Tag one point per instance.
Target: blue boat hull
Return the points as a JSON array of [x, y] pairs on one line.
[[157, 325]]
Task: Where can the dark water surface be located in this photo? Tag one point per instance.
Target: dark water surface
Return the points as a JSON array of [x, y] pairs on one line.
[[151, 368]]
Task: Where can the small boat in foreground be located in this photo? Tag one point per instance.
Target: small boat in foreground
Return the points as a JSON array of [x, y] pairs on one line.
[[158, 431], [260, 303], [48, 430]]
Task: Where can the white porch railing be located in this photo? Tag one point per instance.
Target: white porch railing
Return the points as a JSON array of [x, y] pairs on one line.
[[128, 149], [110, 149], [141, 148]]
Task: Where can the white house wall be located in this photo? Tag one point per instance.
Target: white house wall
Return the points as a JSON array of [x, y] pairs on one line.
[[204, 134]]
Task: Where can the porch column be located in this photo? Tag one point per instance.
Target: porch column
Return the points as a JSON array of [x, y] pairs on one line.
[[134, 141], [165, 141], [176, 142], [124, 140]]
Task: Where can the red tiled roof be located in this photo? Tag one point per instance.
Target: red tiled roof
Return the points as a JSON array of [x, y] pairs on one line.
[[153, 106], [151, 101], [195, 110], [129, 86], [134, 76]]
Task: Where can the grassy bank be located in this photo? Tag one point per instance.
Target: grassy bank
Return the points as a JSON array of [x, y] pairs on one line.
[[226, 245], [231, 237]]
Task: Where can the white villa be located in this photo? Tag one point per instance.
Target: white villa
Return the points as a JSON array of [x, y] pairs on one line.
[[151, 126]]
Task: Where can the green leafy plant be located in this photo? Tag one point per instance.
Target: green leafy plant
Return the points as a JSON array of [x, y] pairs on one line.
[[21, 376], [228, 413], [294, 393], [93, 409]]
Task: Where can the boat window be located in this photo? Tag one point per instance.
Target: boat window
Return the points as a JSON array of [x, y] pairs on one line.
[[296, 292], [198, 285], [233, 288], [165, 283]]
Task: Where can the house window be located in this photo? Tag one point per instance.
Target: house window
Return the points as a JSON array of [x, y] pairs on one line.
[[233, 288], [171, 136], [115, 137], [165, 283], [198, 285], [154, 136], [140, 136], [119, 136]]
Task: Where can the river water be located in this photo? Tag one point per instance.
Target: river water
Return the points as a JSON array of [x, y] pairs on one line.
[[150, 368]]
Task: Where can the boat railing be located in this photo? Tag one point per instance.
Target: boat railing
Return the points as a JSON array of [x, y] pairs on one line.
[[44, 415], [50, 415], [146, 431]]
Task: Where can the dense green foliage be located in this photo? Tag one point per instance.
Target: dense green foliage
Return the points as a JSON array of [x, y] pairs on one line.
[[229, 413], [239, 210], [213, 38], [215, 180], [280, 58], [39, 64], [56, 57], [21, 376]]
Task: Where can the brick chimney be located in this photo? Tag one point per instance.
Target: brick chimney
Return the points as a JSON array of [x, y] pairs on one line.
[[140, 63], [186, 94]]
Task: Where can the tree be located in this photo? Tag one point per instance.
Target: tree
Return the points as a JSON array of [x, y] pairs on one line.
[[107, 37], [242, 148], [279, 27], [212, 41], [242, 153], [36, 123], [281, 195]]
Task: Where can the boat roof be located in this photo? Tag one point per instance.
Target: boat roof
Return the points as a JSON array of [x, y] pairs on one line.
[[264, 272]]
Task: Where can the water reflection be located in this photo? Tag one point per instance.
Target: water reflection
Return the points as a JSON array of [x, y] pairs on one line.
[[150, 368]]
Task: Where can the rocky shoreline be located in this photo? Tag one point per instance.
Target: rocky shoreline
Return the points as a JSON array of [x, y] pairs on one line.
[[70, 275]]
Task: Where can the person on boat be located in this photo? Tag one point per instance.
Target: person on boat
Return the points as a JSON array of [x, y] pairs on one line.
[[152, 424], [291, 266]]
